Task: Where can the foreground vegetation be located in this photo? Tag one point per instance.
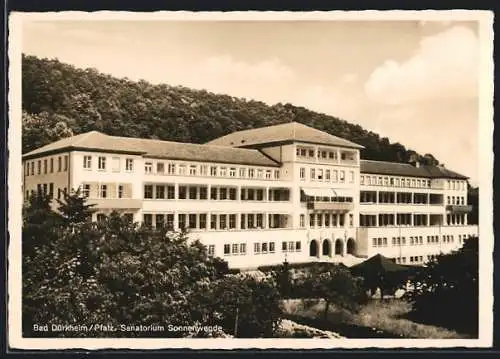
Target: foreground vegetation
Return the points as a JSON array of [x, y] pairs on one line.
[[118, 273]]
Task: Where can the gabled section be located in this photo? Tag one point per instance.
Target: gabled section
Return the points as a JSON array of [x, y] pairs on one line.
[[406, 169], [280, 134]]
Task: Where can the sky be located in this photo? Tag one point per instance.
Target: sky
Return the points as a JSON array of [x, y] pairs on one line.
[[415, 82]]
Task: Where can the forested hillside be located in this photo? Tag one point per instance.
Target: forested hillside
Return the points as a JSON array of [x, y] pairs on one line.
[[59, 99]]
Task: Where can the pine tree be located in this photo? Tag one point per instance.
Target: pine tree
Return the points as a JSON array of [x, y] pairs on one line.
[[73, 208]]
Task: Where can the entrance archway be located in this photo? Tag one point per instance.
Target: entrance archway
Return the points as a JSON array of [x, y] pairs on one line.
[[313, 248], [326, 248], [351, 246], [339, 247]]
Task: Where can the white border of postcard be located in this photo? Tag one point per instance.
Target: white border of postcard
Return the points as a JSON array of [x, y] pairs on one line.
[[485, 162]]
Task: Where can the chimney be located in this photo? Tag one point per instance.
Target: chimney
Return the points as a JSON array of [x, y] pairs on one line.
[[417, 164]]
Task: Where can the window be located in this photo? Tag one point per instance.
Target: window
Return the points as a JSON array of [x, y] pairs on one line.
[[302, 173], [211, 250], [302, 221], [232, 194], [260, 173], [160, 192], [251, 172], [203, 192], [148, 167], [51, 189], [213, 221], [271, 247], [268, 174], [45, 166], [213, 171], [327, 175], [242, 172], [101, 217], [120, 191], [232, 172], [160, 168], [170, 192], [256, 248], [192, 220], [148, 191], [203, 221], [223, 172], [182, 192], [129, 165], [51, 165], [320, 174], [313, 174], [59, 165], [87, 162], [86, 190], [203, 170], [102, 163], [227, 249], [222, 221], [39, 167], [351, 176], [342, 176], [276, 174], [104, 191], [45, 188], [159, 221], [264, 247], [182, 170], [192, 192], [192, 170], [182, 220], [171, 168], [232, 221]]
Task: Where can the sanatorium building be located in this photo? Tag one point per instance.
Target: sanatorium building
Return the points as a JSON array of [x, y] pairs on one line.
[[260, 196]]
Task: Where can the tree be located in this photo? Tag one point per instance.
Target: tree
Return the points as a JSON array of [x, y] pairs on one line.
[[246, 306], [446, 290], [336, 286], [73, 208]]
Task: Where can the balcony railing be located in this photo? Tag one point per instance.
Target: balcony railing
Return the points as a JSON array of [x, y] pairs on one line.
[[455, 208], [116, 203], [331, 206]]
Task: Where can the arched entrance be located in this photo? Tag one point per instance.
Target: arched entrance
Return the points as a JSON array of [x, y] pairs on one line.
[[339, 247], [351, 246], [313, 248], [326, 248]]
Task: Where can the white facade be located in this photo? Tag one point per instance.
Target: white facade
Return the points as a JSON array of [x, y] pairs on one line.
[[253, 215]]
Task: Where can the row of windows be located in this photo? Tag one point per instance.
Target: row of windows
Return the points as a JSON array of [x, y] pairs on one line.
[[387, 181], [417, 240], [324, 154], [326, 175], [219, 221], [374, 197], [104, 191], [456, 219], [456, 185], [328, 220], [162, 168], [49, 166], [400, 219], [216, 193], [47, 189], [456, 200], [231, 249], [414, 259]]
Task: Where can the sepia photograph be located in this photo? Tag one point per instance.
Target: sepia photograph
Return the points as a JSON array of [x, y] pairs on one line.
[[246, 180]]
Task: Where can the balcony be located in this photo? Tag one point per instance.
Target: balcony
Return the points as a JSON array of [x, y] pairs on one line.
[[455, 208], [330, 206], [116, 203]]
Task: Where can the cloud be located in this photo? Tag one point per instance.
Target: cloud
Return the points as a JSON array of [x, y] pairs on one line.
[[445, 66]]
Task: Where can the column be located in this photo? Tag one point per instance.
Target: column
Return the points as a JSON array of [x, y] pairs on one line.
[[238, 194], [176, 219], [238, 219], [428, 219], [176, 194], [465, 219], [207, 224]]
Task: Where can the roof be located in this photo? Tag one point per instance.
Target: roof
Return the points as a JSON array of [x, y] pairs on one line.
[[285, 132], [97, 141], [406, 169], [376, 265]]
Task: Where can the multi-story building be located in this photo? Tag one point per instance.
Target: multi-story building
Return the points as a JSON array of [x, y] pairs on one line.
[[261, 196]]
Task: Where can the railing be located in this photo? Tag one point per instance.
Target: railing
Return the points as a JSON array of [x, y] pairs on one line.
[[459, 208], [333, 206], [116, 203]]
